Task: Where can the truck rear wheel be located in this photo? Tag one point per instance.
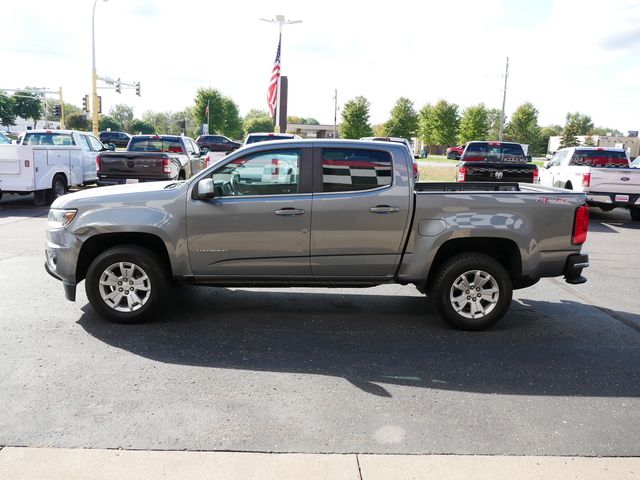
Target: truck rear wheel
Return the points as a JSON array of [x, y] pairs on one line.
[[58, 188], [472, 291], [635, 214], [126, 284]]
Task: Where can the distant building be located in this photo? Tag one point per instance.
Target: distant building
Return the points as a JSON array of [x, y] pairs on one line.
[[630, 144], [311, 131], [23, 125]]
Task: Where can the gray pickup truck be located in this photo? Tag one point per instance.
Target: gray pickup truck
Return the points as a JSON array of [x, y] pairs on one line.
[[150, 158], [316, 213]]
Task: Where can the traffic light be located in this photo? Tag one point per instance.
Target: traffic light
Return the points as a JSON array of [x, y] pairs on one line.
[[138, 88], [57, 110], [99, 104], [85, 103], [182, 124], [118, 86]]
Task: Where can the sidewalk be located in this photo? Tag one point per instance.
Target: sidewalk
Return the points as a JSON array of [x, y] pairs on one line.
[[17, 463]]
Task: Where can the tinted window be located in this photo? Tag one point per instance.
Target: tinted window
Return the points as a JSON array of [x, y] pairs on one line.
[[266, 173], [155, 144], [494, 152], [348, 169], [48, 138], [266, 138], [599, 158]]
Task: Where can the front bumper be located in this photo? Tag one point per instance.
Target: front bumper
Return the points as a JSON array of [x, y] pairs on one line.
[[573, 268], [62, 250], [69, 288]]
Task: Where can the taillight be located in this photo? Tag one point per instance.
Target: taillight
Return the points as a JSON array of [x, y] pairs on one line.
[[535, 175], [415, 171], [166, 165], [98, 163], [580, 225], [586, 179], [462, 174]]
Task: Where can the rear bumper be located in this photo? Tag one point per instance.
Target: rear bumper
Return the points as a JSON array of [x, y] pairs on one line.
[[105, 182], [573, 268], [624, 200]]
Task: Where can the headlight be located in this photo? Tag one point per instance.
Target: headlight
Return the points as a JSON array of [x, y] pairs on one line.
[[59, 218]]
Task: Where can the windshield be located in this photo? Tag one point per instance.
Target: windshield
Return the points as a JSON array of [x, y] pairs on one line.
[[494, 152], [266, 138], [48, 138], [600, 158], [155, 144]]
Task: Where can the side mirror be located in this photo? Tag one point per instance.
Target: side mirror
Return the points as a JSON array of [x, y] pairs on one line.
[[545, 164], [204, 149], [205, 189], [528, 157], [111, 147]]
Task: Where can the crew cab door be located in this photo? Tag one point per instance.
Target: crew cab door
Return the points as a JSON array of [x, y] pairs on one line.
[[259, 221], [360, 210]]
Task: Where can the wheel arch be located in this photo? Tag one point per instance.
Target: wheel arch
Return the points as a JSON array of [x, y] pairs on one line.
[[97, 244], [504, 250]]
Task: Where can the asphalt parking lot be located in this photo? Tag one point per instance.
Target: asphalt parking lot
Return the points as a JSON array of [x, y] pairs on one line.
[[324, 370]]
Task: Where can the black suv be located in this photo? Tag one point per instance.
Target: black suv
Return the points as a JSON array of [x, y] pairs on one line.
[[119, 139], [217, 143]]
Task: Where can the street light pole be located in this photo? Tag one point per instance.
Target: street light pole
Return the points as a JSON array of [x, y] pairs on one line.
[[94, 76], [280, 20]]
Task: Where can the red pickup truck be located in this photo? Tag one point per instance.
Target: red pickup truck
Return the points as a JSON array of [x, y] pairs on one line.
[[454, 153]]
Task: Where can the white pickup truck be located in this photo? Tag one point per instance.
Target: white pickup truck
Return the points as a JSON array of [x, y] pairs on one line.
[[603, 174], [48, 162]]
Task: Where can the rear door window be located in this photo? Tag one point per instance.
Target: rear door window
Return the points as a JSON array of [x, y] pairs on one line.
[[494, 152], [351, 169], [156, 144], [599, 158], [49, 138]]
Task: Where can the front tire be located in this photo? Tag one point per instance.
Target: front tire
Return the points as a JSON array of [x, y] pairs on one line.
[[126, 284], [58, 188], [472, 291]]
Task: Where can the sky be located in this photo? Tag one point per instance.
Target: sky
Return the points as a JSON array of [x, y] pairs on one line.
[[564, 55]]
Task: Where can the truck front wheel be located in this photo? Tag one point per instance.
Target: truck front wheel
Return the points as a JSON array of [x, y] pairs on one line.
[[472, 291], [126, 284]]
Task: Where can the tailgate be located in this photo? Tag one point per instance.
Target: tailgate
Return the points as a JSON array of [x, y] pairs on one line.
[[615, 180], [131, 165], [499, 171]]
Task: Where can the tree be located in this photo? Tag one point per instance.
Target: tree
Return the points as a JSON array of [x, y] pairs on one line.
[[77, 121], [523, 126], [581, 121], [569, 135], [589, 141], [107, 122], [123, 115], [7, 110], [494, 115], [438, 124], [404, 120], [258, 121], [224, 114], [545, 134], [612, 132], [474, 124], [27, 104], [160, 120], [139, 126], [355, 119]]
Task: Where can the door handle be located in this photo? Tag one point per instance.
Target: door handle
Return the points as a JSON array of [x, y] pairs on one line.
[[384, 209], [289, 212]]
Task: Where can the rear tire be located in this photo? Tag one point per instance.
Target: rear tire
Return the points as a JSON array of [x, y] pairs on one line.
[[472, 291], [635, 214], [58, 188], [126, 284]]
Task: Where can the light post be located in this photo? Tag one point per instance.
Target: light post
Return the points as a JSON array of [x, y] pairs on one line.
[[280, 20], [94, 76]]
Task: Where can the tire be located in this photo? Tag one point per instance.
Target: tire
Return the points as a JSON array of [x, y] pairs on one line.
[[568, 186], [635, 214], [58, 188], [449, 284], [109, 273], [182, 175]]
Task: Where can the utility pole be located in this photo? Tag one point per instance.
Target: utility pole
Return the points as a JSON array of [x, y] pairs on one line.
[[504, 100], [280, 21], [335, 113], [61, 108]]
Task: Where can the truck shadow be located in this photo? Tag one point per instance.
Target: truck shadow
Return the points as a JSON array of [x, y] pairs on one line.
[[539, 348]]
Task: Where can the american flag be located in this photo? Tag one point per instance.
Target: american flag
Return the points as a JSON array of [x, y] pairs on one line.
[[272, 94]]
